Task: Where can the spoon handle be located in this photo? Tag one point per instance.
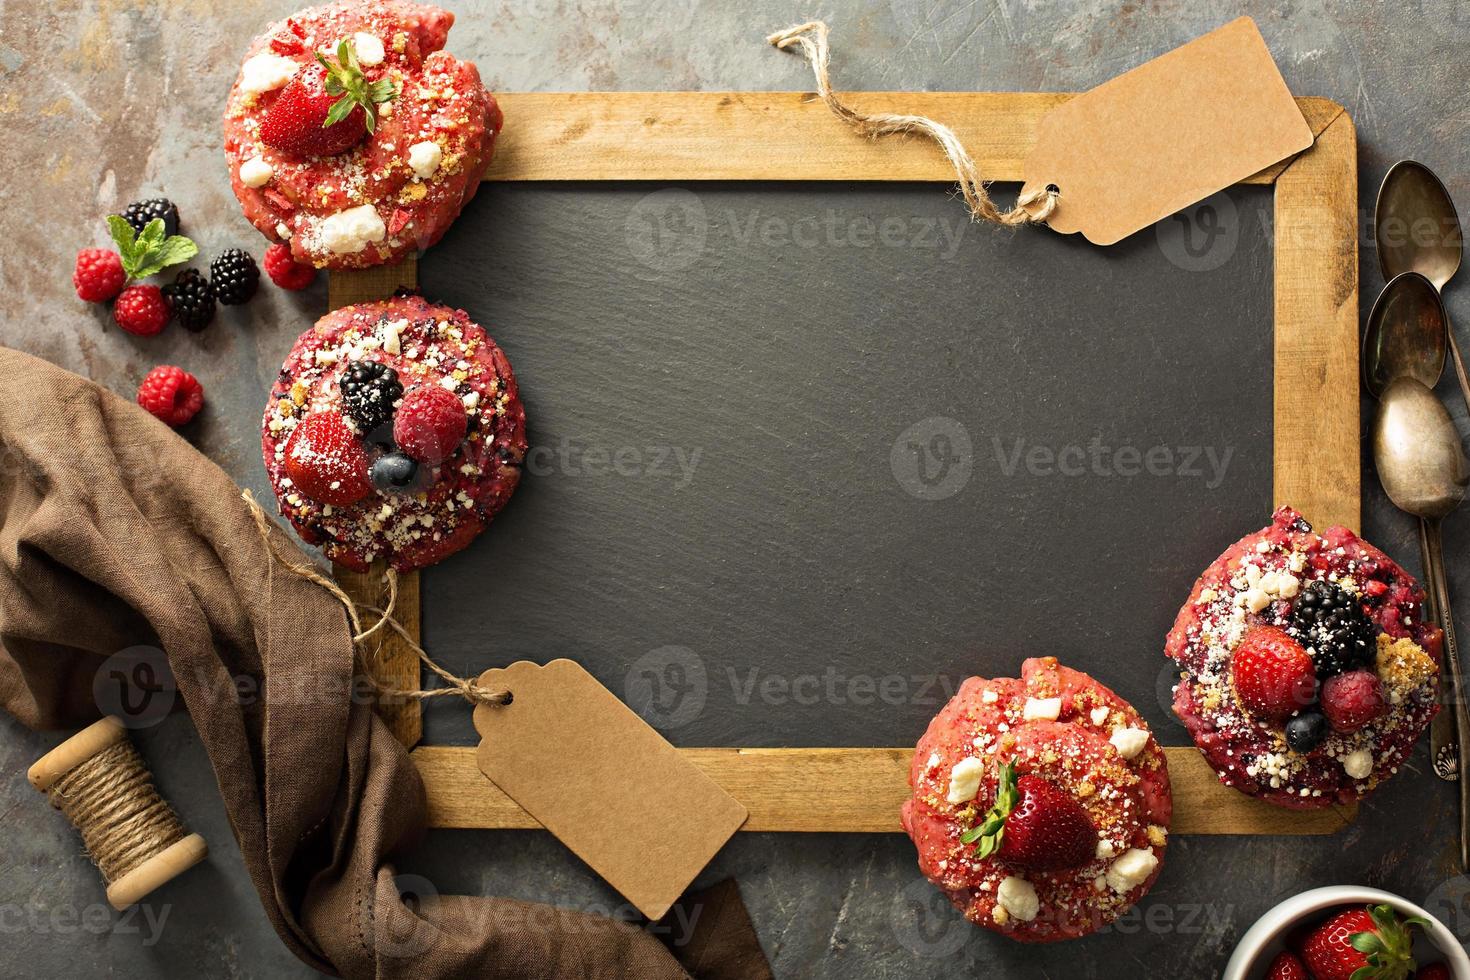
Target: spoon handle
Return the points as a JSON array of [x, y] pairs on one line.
[[1452, 658], [1459, 364], [1442, 739]]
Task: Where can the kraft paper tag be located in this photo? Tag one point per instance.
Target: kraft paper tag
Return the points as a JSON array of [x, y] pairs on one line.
[[1166, 135], [605, 783]]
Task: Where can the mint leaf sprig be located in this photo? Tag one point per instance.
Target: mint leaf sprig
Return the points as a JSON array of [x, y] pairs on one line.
[[991, 831], [151, 251], [346, 79]]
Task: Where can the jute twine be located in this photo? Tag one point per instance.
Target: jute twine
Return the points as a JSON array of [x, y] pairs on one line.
[[463, 687], [1032, 206], [110, 798]]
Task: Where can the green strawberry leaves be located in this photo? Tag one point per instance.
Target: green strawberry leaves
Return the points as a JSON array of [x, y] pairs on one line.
[[991, 831], [1389, 948], [346, 79], [151, 251]]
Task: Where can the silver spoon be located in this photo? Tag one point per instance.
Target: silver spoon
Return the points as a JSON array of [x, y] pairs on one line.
[[1406, 337], [1416, 229], [1424, 471]]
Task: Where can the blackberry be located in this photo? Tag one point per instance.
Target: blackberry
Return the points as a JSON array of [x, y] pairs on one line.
[[234, 276], [192, 299], [369, 390], [1331, 624], [139, 213]]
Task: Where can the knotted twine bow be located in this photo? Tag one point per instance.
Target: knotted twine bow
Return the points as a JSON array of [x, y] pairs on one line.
[[1031, 206], [465, 688]]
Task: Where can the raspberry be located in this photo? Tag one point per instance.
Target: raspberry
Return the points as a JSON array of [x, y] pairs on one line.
[[99, 274], [1352, 700], [326, 461], [141, 310], [430, 423], [171, 394], [1273, 675], [285, 271]]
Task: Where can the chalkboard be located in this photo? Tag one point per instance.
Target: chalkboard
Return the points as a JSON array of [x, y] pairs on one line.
[[805, 456]]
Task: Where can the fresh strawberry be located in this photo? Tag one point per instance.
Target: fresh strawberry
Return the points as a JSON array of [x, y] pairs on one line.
[[1434, 971], [326, 108], [326, 461], [1287, 966], [1034, 825], [1273, 674], [1352, 700], [1367, 943]]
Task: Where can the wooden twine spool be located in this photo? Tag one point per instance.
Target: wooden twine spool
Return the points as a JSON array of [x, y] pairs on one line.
[[100, 782]]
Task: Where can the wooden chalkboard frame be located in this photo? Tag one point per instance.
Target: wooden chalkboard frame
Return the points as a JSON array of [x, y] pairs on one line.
[[697, 136]]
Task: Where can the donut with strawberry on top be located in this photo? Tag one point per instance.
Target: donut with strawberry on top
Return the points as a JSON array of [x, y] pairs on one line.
[[352, 136], [1307, 667], [1041, 804], [394, 432]]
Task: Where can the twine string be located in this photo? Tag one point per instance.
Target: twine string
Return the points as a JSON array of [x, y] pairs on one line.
[[110, 798], [1034, 206], [468, 689]]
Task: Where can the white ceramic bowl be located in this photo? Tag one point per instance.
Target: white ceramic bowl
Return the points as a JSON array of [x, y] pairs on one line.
[[1266, 938]]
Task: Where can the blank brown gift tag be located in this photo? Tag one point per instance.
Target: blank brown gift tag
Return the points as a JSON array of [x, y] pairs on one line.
[[603, 781], [1166, 135]]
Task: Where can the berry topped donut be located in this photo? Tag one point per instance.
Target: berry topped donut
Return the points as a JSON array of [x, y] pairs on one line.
[[1306, 668], [1040, 805], [393, 432], [352, 136]]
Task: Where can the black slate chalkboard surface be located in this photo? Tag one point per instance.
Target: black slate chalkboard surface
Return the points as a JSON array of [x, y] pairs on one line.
[[805, 456]]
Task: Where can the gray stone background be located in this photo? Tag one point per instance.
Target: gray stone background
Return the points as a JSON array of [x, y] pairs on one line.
[[109, 100]]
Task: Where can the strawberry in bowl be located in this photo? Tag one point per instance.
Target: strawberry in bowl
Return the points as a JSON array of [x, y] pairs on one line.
[[352, 137], [1040, 804]]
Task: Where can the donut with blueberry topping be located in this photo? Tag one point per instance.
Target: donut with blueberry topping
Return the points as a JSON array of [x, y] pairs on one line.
[[1041, 804], [420, 129], [351, 489], [1361, 698]]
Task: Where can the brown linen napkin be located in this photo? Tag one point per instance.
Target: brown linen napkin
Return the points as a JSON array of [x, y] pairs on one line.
[[115, 532]]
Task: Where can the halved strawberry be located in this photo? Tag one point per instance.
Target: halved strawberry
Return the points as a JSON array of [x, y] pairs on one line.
[[1273, 674], [1365, 943], [326, 108], [1034, 825], [326, 460]]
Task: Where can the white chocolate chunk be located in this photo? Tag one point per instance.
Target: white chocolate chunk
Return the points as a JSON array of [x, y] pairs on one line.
[[369, 48], [1044, 709], [1018, 897], [1358, 764], [1256, 600], [964, 780], [351, 230], [989, 697], [1099, 714], [1131, 870], [1129, 741], [255, 172], [266, 72], [425, 158]]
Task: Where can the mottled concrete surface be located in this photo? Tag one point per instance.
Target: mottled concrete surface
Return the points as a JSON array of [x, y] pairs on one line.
[[109, 100]]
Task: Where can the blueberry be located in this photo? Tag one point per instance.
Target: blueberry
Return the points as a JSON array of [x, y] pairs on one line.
[[393, 471], [1306, 731]]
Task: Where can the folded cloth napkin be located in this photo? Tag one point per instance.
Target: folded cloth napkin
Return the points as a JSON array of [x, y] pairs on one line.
[[115, 532]]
